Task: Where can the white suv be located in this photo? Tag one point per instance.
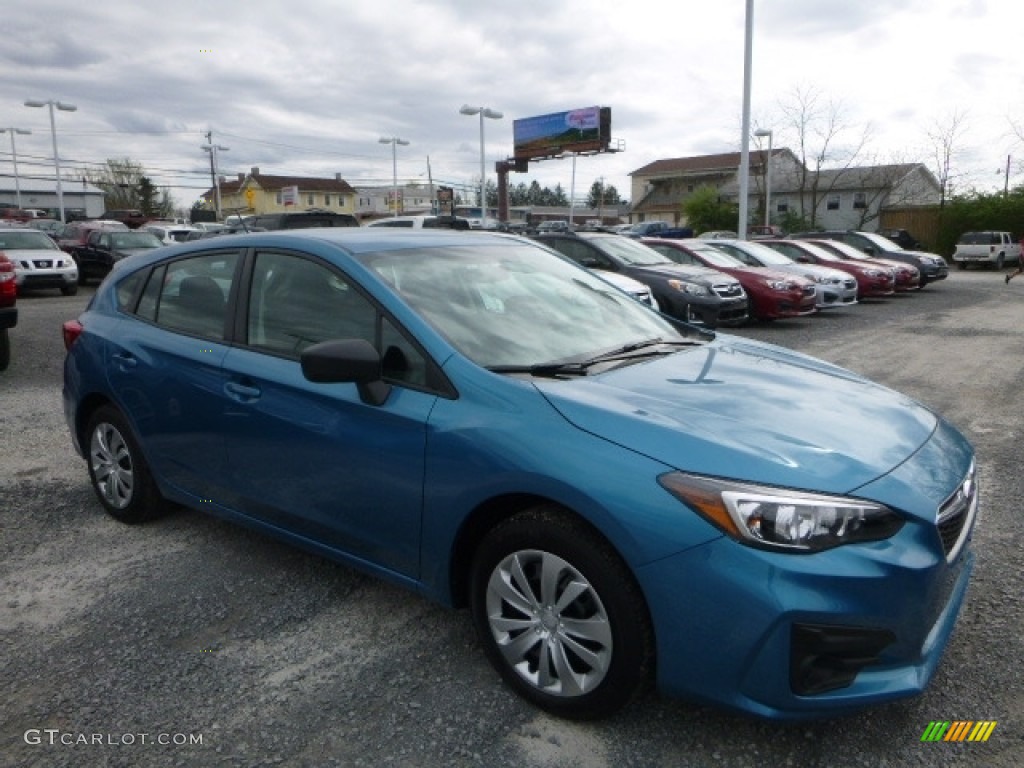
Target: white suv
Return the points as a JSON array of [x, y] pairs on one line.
[[38, 262], [422, 222]]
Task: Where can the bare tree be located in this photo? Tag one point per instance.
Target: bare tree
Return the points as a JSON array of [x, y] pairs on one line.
[[945, 134], [818, 128]]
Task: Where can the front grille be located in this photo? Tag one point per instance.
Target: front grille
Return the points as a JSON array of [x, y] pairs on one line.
[[43, 264], [956, 515], [728, 290]]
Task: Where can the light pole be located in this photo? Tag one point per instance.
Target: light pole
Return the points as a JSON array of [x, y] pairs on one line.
[[213, 149], [761, 133], [748, 45], [394, 141], [63, 107], [14, 157], [493, 115]]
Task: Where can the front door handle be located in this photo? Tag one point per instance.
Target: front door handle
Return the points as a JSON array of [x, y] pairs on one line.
[[243, 393]]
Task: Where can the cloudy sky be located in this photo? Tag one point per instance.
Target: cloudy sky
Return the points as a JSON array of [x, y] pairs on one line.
[[308, 87]]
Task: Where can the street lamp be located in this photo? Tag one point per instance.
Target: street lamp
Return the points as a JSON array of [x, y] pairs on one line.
[[213, 149], [394, 141], [494, 115], [14, 156], [63, 107], [761, 133]]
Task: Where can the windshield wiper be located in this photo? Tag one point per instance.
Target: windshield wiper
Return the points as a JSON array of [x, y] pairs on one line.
[[543, 369], [580, 367]]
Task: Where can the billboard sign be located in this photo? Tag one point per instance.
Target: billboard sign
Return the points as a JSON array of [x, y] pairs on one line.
[[586, 130]]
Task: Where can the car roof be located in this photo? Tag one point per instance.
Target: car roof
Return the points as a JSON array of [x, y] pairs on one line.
[[354, 240]]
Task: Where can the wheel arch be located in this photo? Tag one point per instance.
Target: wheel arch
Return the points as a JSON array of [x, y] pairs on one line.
[[497, 509], [83, 413]]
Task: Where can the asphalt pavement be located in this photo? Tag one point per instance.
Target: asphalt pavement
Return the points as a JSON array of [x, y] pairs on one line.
[[191, 642]]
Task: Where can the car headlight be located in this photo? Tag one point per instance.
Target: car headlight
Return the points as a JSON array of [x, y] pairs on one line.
[[691, 288], [876, 273], [779, 285], [779, 518]]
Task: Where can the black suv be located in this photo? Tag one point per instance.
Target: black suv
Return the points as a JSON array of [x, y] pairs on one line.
[[931, 266], [693, 294], [301, 220]]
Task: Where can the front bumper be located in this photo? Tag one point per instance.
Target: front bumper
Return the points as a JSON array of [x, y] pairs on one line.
[[738, 645], [712, 311], [798, 636], [829, 295], [930, 273]]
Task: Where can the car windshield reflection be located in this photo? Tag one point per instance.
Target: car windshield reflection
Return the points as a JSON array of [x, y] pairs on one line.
[[516, 307]]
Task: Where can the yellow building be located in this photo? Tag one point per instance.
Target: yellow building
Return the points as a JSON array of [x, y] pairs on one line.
[[255, 193]]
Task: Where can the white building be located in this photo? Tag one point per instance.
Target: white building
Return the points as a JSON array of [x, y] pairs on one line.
[[81, 198]]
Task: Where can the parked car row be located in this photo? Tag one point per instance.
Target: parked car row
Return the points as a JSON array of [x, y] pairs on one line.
[[767, 279]]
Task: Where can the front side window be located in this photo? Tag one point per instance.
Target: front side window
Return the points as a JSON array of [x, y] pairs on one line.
[[295, 302]]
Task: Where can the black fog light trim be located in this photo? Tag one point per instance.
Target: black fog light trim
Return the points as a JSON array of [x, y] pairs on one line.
[[825, 657]]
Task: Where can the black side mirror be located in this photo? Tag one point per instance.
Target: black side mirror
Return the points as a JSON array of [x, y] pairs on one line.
[[347, 360]]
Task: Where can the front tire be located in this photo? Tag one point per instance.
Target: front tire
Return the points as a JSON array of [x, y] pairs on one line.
[[560, 616], [118, 471], [5, 349]]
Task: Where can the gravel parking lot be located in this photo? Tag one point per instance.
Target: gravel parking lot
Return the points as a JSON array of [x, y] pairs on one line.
[[190, 642]]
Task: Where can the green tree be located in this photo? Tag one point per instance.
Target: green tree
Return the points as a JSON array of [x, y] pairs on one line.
[[705, 210], [147, 195], [602, 195]]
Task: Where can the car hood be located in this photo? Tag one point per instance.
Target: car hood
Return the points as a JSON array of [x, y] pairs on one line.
[[763, 273], [741, 409], [700, 275], [33, 253], [124, 253], [813, 271]]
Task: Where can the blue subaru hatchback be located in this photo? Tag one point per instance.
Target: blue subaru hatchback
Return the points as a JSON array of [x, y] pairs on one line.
[[614, 495]]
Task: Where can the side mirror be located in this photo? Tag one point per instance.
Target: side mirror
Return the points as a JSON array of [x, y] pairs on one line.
[[347, 360]]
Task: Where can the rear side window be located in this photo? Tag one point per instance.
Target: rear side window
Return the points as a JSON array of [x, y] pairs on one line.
[[190, 295]]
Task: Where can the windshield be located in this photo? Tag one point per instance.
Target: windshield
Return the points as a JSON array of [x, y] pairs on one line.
[[762, 253], [26, 241], [136, 240], [843, 250], [978, 238], [629, 251], [716, 256], [516, 304], [882, 244], [794, 251]]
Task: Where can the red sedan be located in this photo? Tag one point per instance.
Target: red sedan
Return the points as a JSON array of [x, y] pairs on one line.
[[771, 294], [908, 277]]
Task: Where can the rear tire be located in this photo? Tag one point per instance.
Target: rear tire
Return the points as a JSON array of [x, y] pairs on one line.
[[118, 471], [559, 615]]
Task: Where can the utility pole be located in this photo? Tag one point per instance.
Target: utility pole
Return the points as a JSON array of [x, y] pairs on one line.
[[213, 149]]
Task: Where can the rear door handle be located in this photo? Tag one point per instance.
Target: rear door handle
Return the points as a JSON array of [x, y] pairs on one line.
[[125, 361]]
